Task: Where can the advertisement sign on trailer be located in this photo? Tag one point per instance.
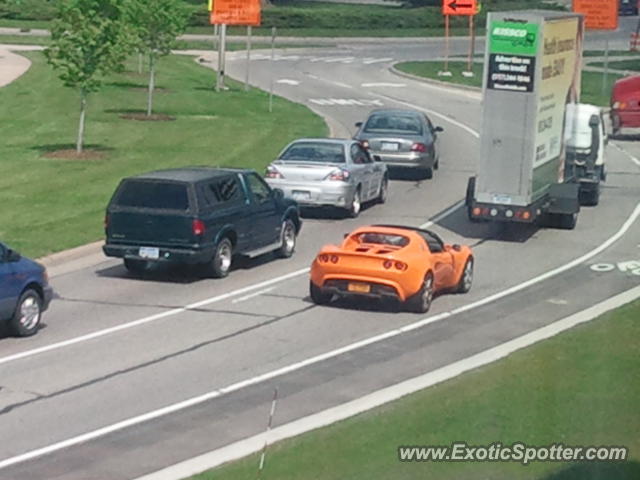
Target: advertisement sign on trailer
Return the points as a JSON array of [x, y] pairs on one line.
[[599, 14], [236, 12]]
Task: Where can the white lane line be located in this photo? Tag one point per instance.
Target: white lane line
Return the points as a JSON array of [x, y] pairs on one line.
[[340, 60], [376, 60], [288, 81], [444, 214], [383, 84], [622, 150], [151, 318], [309, 361], [245, 447], [252, 295], [467, 128]]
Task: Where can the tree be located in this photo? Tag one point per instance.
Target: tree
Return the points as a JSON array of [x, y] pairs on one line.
[[88, 41], [156, 25]]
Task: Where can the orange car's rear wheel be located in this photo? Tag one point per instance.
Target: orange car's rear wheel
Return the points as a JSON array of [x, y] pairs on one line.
[[319, 296], [421, 301], [466, 279]]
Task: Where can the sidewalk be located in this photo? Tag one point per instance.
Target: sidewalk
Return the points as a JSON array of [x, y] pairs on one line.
[[12, 65]]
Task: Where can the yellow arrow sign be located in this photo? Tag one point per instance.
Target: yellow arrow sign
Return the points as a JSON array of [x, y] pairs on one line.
[[210, 5]]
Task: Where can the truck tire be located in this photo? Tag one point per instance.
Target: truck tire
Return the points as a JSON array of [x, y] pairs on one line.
[[568, 221], [220, 264], [471, 190], [428, 173], [592, 198], [26, 319]]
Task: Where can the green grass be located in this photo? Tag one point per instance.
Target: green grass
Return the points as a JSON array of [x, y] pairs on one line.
[[612, 53], [592, 91], [179, 44], [579, 388], [632, 65], [53, 204]]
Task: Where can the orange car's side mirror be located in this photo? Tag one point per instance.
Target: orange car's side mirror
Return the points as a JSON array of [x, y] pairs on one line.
[[457, 247]]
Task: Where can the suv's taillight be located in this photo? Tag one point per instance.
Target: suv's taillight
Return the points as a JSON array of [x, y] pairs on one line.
[[419, 147], [106, 221], [273, 172], [339, 175], [198, 227]]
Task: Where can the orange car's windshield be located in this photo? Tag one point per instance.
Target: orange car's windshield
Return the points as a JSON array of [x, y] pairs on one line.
[[382, 239]]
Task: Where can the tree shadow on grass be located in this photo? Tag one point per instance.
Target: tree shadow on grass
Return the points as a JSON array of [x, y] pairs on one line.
[[54, 147], [598, 471], [125, 85]]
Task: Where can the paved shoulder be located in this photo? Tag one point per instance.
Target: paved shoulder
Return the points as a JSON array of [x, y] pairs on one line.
[[12, 65]]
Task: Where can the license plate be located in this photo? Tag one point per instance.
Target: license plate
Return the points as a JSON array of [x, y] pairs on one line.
[[502, 199], [389, 147], [149, 252], [359, 287], [300, 195]]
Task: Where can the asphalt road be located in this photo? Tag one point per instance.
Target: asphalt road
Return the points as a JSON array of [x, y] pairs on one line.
[[117, 348]]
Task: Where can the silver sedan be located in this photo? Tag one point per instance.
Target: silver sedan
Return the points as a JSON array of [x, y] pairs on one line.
[[329, 172], [402, 138]]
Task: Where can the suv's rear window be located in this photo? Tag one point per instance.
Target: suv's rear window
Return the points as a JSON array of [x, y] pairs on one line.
[[156, 195]]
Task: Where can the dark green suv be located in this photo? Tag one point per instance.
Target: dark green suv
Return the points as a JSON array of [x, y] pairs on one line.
[[198, 215]]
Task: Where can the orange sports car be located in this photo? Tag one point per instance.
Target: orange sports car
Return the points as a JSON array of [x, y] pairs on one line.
[[385, 261]]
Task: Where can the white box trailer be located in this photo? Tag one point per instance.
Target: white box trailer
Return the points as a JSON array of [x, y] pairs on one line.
[[532, 71]]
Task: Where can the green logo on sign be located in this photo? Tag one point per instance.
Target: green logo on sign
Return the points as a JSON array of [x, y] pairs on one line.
[[514, 38]]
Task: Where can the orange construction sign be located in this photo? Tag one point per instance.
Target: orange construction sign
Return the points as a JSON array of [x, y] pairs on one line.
[[459, 7], [599, 14], [236, 12]]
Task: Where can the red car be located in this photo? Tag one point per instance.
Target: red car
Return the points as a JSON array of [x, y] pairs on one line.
[[625, 104]]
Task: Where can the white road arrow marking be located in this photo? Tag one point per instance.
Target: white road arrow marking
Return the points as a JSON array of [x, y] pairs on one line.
[[370, 61], [287, 81], [384, 84], [632, 267]]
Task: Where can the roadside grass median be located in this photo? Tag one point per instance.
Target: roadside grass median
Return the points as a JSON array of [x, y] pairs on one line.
[[579, 388], [592, 91], [50, 204]]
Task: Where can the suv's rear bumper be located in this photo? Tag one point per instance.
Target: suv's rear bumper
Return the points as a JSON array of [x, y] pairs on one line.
[[172, 255]]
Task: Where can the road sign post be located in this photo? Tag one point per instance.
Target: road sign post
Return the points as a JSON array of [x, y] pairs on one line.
[[458, 8], [599, 15], [246, 78], [232, 12]]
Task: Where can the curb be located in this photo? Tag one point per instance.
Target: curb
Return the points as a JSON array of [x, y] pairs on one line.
[[440, 83], [73, 259], [251, 445]]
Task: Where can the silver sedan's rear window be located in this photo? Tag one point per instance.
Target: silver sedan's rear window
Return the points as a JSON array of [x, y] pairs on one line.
[[320, 152]]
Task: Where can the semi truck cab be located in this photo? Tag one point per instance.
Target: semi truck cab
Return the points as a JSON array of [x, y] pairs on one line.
[[585, 141]]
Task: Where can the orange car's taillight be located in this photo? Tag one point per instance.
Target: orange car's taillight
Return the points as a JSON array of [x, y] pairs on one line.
[[323, 258], [387, 264], [400, 266], [334, 259]]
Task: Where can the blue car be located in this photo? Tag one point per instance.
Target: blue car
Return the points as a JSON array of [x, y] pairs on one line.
[[24, 292]]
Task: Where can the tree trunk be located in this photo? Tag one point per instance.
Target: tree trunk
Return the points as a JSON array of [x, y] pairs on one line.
[[152, 80], [83, 109]]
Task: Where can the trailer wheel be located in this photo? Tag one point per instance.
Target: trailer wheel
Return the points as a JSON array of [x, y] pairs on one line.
[[471, 190], [568, 221]]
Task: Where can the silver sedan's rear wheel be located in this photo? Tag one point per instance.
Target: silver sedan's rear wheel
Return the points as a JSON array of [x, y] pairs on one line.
[[384, 190], [356, 204]]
